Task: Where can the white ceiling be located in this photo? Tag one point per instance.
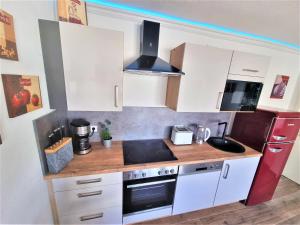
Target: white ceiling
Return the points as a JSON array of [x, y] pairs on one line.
[[278, 19]]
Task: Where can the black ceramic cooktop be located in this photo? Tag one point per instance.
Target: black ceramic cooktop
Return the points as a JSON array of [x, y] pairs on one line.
[[146, 151]]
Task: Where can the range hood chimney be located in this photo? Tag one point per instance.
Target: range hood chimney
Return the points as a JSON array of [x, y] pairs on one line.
[[149, 62]]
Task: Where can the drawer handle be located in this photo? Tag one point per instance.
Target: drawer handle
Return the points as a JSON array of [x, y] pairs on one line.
[[92, 216], [279, 138], [87, 194], [251, 70], [275, 150], [97, 180], [226, 171]]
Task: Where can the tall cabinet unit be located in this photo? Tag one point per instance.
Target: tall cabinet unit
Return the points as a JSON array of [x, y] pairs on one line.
[[89, 66], [201, 88]]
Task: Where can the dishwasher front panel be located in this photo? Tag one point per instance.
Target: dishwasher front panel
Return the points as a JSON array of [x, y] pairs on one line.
[[195, 191]]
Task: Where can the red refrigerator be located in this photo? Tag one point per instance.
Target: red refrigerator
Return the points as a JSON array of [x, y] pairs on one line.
[[273, 133]]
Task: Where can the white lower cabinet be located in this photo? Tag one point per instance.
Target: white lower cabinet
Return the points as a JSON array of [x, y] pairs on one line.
[[93, 199], [101, 216], [195, 191], [204, 190], [235, 180]]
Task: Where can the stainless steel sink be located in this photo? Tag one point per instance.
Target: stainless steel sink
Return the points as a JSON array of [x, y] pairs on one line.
[[225, 145]]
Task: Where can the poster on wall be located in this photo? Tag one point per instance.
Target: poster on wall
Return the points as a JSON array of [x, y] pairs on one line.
[[279, 86], [72, 11], [8, 46], [22, 94]]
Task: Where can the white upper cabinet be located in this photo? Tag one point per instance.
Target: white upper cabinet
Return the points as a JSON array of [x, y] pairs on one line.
[[248, 64], [201, 88], [236, 179], [93, 67]]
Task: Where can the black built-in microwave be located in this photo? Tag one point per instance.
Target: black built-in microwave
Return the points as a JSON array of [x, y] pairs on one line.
[[241, 95]]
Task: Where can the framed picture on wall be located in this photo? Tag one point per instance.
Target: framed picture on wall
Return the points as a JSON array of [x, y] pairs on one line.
[[22, 94], [72, 11], [8, 46], [279, 86]]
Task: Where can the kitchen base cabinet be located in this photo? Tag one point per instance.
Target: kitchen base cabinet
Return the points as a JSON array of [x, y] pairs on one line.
[[91, 199], [101, 216], [195, 191], [235, 180]]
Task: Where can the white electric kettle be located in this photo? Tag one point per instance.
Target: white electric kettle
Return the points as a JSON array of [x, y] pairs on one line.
[[202, 134]]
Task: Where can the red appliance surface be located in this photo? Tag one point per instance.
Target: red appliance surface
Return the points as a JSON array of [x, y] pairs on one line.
[[284, 130], [252, 129], [268, 173], [267, 130]]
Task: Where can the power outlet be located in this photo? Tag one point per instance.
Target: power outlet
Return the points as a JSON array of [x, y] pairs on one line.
[[96, 128]]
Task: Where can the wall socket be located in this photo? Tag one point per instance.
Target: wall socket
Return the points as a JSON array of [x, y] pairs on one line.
[[96, 128]]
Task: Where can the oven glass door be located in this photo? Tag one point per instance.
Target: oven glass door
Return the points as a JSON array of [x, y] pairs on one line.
[[149, 193], [241, 95]]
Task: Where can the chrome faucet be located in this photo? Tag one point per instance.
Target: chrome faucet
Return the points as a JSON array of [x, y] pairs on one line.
[[225, 128]]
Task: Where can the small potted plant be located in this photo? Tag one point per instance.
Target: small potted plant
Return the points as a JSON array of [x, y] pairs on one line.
[[105, 133]]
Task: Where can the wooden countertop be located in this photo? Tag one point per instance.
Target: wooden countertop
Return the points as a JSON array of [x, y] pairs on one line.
[[102, 160]]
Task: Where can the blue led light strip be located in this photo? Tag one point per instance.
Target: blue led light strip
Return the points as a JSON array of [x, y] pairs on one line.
[[193, 23]]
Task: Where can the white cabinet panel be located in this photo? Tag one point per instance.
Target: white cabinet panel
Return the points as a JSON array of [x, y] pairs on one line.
[[249, 64], [236, 179], [149, 215], [80, 182], [72, 202], [195, 191], [93, 67], [201, 88], [96, 216]]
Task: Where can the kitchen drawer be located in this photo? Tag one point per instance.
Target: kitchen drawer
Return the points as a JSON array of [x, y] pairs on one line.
[[248, 64], [72, 202], [101, 216], [284, 130], [73, 183]]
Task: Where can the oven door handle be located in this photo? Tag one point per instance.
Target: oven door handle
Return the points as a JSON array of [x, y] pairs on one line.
[[150, 183]]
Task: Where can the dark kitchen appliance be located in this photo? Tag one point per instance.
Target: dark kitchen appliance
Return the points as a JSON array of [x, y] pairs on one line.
[[273, 133], [149, 62], [146, 151], [241, 95], [148, 193], [81, 132]]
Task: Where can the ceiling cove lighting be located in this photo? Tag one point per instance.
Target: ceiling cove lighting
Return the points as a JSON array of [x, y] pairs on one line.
[[193, 23]]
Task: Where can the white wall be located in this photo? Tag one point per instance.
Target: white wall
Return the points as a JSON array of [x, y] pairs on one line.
[[24, 197], [150, 90]]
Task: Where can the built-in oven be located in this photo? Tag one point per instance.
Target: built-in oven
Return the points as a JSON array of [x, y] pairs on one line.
[[241, 95], [147, 191]]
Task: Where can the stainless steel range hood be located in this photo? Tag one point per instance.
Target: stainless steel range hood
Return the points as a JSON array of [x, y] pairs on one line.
[[149, 62]]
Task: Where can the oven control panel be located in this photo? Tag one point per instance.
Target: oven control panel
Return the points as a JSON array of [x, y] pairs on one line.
[[153, 172]]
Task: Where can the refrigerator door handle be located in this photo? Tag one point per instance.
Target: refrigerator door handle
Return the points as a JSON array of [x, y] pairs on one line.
[[275, 150], [279, 138]]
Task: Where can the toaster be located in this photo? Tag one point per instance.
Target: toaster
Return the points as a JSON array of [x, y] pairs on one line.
[[181, 135]]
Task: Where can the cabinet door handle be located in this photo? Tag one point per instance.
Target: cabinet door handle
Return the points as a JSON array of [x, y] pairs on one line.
[[97, 180], [88, 194], [218, 100], [275, 150], [279, 138], [226, 171], [90, 217], [251, 70], [116, 95]]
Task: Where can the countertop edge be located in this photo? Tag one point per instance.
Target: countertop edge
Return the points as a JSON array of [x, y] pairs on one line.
[[124, 168]]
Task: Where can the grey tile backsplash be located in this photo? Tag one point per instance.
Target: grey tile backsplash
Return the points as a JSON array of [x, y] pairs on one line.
[[146, 123]]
